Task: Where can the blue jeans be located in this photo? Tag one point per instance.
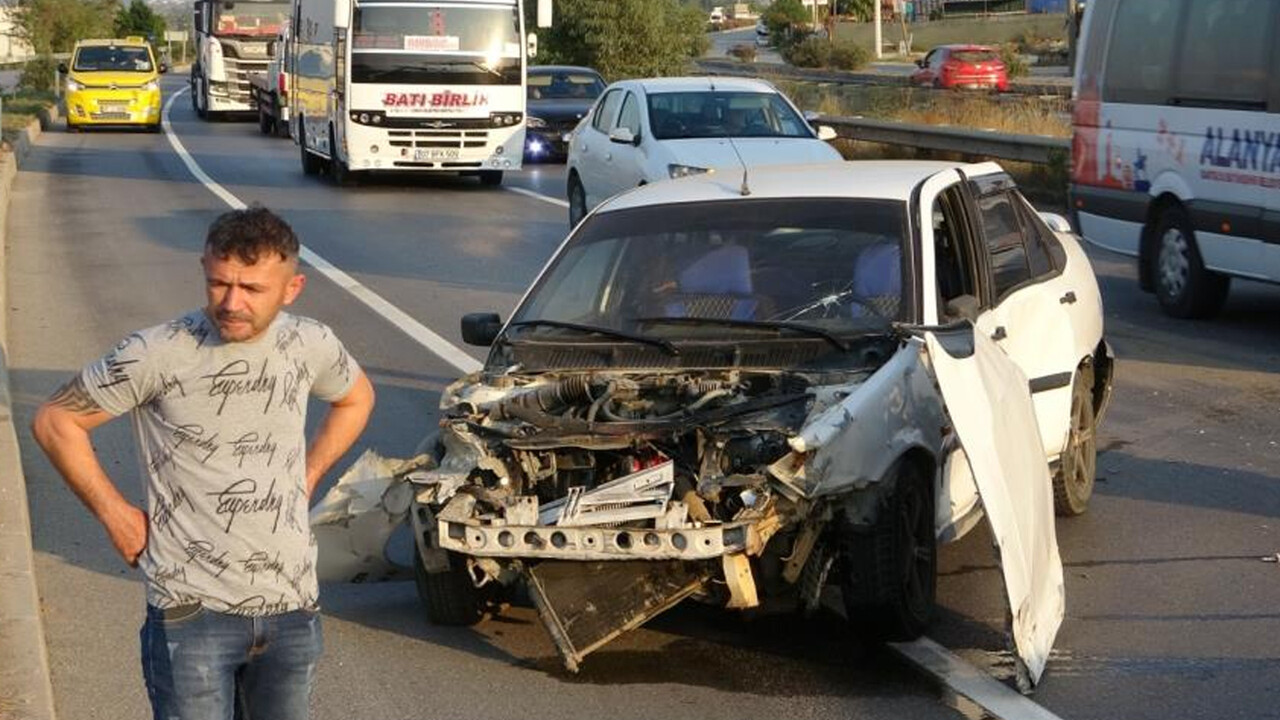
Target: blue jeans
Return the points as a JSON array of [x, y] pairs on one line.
[[203, 665]]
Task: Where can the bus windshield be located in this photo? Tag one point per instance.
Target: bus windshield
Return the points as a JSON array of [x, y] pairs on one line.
[[436, 44]]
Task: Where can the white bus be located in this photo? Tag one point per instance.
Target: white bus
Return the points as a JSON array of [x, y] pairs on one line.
[[410, 86], [1176, 150]]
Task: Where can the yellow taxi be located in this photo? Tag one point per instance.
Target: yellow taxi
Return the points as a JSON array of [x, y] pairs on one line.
[[113, 82]]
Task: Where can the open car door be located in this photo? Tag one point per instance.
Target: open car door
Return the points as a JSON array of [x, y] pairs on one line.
[[989, 402]]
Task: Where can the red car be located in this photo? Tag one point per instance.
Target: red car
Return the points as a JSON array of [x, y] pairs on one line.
[[962, 66]]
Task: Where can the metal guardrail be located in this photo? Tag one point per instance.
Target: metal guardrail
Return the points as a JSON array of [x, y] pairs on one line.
[[1037, 149], [734, 68]]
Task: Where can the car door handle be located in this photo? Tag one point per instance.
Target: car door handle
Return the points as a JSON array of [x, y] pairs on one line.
[[1069, 298], [999, 333]]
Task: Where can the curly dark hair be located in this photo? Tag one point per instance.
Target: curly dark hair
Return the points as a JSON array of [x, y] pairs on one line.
[[249, 233]]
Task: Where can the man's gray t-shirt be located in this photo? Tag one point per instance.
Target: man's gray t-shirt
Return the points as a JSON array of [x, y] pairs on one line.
[[221, 436]]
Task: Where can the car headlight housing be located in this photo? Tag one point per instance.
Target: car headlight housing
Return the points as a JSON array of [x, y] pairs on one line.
[[73, 86], [536, 122], [678, 171]]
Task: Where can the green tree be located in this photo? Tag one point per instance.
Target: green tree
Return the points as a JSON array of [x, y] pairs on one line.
[[139, 19], [54, 26], [862, 10], [785, 19], [624, 38]]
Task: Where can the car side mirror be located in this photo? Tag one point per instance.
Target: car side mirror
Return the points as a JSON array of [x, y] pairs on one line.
[[1056, 222], [826, 133], [164, 68], [532, 45], [963, 307], [624, 136], [481, 328], [62, 68]]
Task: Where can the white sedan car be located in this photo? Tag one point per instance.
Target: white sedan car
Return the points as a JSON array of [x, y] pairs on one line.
[[724, 395], [643, 131]]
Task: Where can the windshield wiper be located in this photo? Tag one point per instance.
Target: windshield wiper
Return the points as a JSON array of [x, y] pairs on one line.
[[663, 345], [491, 70], [757, 324]]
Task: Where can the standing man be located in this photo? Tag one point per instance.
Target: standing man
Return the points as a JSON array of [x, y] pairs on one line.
[[218, 400]]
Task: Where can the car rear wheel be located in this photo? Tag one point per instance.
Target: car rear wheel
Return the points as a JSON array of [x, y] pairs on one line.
[[1184, 287], [1077, 469], [577, 201], [450, 597], [891, 569]]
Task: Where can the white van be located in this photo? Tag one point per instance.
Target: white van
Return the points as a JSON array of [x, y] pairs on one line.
[[1176, 149]]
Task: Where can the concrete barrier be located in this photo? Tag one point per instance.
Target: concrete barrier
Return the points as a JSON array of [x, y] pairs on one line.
[[25, 690]]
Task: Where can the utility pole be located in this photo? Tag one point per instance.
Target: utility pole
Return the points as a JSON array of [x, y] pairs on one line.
[[879, 39]]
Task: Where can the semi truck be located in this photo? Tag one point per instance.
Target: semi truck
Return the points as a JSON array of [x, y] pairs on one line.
[[235, 39], [270, 89], [411, 86]]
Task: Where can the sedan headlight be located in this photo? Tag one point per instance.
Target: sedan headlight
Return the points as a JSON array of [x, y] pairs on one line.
[[73, 86], [679, 171], [536, 122]]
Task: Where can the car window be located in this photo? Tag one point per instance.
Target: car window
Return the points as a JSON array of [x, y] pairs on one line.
[[706, 114], [1044, 251], [1002, 234], [630, 116], [1141, 52], [564, 86], [1229, 59], [832, 263], [113, 58], [606, 111], [951, 248], [975, 56]]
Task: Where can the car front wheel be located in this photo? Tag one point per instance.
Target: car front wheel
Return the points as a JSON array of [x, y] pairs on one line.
[[450, 597], [1184, 287], [577, 201], [1074, 478], [891, 569]]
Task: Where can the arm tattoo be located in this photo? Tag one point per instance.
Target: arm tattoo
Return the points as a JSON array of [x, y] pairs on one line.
[[74, 397]]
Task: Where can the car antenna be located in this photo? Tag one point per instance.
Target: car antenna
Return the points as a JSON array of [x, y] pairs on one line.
[[746, 187]]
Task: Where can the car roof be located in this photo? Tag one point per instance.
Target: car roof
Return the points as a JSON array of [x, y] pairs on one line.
[[701, 83], [878, 179], [963, 46], [104, 42]]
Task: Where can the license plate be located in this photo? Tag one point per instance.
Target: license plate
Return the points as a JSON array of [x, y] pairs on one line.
[[113, 106], [431, 154]]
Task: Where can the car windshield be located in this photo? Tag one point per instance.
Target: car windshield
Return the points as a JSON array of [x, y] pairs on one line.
[[113, 58], [564, 86], [975, 56], [427, 44], [746, 270], [706, 114]]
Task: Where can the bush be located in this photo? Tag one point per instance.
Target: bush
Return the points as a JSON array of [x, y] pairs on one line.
[[744, 52], [847, 56], [1014, 65], [811, 52], [817, 52], [38, 74]]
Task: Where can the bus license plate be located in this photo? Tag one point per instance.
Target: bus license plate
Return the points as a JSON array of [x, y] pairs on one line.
[[432, 154]]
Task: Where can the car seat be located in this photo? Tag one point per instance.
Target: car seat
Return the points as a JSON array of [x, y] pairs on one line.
[[877, 281], [716, 285]]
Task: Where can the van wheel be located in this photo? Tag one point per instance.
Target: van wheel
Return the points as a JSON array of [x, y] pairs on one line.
[[265, 123], [1183, 286], [310, 163], [450, 597], [338, 170], [577, 201], [891, 569], [1074, 478]]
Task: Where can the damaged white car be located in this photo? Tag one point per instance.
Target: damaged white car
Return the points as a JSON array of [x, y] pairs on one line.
[[742, 389]]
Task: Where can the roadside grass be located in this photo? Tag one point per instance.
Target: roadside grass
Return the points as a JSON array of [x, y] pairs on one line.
[[20, 108], [996, 30]]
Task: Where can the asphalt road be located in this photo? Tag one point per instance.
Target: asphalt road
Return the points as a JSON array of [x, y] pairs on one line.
[[1170, 610]]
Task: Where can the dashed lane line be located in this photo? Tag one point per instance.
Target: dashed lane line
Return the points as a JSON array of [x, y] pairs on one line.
[[420, 333], [538, 196]]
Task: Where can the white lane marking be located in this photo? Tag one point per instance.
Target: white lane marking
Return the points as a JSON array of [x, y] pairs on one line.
[[994, 697], [538, 196], [422, 334]]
